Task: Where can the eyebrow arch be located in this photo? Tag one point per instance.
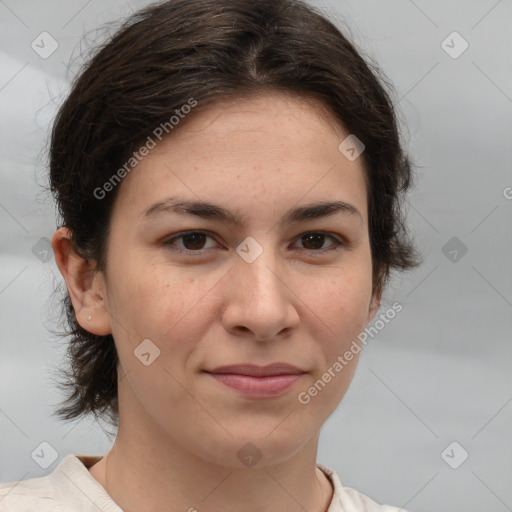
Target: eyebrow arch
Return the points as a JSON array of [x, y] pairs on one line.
[[211, 211]]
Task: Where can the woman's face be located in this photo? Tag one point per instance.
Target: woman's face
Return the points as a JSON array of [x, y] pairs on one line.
[[264, 279]]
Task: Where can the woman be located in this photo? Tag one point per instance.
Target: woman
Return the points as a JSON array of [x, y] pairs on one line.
[[229, 176]]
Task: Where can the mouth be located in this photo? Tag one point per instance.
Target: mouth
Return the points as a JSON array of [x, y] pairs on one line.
[[267, 381]]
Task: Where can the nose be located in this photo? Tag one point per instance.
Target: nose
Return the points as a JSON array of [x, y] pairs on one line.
[[260, 301]]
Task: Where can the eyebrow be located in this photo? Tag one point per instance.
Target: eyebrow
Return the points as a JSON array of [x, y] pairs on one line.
[[207, 210]]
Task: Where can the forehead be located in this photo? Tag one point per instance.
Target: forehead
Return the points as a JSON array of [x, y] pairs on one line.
[[282, 116], [260, 151]]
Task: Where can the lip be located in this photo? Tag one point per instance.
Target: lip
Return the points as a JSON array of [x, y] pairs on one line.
[[259, 371], [258, 381]]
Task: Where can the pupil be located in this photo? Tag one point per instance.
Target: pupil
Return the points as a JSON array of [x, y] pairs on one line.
[[313, 239], [194, 239]]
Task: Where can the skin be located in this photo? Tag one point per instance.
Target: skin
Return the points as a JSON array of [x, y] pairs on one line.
[[180, 429]]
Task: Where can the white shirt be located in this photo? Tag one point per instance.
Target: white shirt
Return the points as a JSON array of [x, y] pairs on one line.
[[71, 488]]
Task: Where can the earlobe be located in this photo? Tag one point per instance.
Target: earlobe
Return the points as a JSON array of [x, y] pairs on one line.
[[86, 286]]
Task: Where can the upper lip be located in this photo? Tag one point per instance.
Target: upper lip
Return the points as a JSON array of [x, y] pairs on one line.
[[259, 371]]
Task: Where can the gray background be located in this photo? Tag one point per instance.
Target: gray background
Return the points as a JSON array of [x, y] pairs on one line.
[[438, 373]]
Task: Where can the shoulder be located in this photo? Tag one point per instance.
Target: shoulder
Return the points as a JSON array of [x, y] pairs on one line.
[[348, 499], [70, 487], [32, 494]]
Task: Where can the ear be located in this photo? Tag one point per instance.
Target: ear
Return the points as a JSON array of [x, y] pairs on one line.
[[374, 304], [86, 286]]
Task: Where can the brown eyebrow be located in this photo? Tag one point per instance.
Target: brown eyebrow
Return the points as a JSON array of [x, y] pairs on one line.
[[211, 211]]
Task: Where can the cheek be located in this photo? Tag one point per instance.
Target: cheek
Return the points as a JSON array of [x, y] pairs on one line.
[[341, 308], [343, 299], [173, 311], [339, 315], [169, 306], [154, 296]]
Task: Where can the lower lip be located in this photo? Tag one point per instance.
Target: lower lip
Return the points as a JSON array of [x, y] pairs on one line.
[[270, 386]]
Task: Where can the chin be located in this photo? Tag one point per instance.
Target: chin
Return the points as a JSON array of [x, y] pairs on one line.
[[250, 450]]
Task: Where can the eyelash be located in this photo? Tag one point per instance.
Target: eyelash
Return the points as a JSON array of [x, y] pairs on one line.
[[338, 243]]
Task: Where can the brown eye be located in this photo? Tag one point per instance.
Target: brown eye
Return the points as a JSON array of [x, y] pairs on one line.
[[194, 241], [313, 240]]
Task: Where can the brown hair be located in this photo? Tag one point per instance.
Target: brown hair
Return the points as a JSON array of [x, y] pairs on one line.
[[159, 59]]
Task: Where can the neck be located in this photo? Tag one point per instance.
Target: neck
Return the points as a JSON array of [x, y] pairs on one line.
[[155, 474]]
